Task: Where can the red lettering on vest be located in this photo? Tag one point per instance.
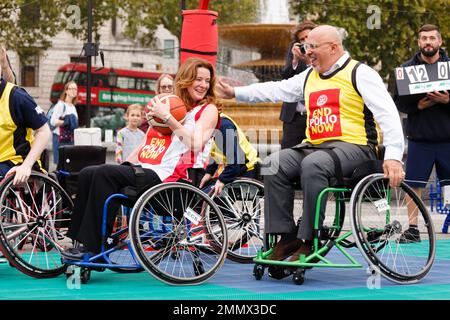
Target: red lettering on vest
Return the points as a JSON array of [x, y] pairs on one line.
[[154, 149], [324, 114]]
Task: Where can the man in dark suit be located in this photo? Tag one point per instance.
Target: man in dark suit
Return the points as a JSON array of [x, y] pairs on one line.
[[293, 115]]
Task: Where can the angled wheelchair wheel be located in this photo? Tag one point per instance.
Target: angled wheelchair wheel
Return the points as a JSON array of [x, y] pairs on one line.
[[34, 218], [379, 216], [241, 203], [172, 235]]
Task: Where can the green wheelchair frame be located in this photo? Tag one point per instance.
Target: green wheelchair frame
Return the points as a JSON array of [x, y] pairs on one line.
[[334, 238]]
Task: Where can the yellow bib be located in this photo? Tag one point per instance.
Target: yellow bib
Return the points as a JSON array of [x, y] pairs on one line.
[[15, 142], [336, 110], [251, 155]]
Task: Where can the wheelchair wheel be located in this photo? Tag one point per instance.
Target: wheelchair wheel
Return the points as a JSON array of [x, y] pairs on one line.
[[34, 218], [170, 234], [241, 204], [379, 216]]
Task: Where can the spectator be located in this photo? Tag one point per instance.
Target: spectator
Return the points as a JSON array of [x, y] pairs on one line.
[[293, 114], [164, 84], [427, 127], [129, 137], [64, 118]]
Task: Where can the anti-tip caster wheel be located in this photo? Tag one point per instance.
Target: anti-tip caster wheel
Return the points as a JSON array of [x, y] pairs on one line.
[[85, 275], [258, 271], [299, 277]]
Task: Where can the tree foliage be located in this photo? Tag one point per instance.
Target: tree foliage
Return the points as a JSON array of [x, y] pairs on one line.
[[27, 26], [168, 13], [393, 41]]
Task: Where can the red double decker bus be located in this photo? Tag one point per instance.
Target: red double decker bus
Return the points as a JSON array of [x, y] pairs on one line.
[[132, 87]]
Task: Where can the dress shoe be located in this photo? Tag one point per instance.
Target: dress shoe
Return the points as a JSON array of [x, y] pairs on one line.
[[303, 249], [283, 250], [412, 235], [78, 253]]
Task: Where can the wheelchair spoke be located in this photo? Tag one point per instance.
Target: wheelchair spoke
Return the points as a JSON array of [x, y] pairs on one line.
[[380, 219]]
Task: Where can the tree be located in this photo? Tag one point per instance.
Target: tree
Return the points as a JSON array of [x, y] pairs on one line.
[[168, 13], [27, 26], [386, 32]]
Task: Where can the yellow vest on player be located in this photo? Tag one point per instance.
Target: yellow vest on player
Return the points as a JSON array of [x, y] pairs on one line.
[[15, 142], [251, 155], [336, 110]]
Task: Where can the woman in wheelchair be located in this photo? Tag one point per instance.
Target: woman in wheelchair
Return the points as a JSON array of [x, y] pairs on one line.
[[232, 156], [162, 158]]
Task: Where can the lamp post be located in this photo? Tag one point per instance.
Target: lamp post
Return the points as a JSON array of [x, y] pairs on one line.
[[112, 82]]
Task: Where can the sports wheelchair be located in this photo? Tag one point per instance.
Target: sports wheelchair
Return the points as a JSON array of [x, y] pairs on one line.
[[378, 216], [177, 232]]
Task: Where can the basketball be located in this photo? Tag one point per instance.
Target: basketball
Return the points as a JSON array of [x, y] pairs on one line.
[[177, 109]]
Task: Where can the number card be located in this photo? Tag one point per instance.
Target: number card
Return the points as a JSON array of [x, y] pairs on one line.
[[423, 78], [192, 216]]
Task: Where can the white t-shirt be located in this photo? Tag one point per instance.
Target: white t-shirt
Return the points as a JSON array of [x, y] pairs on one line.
[[61, 111]]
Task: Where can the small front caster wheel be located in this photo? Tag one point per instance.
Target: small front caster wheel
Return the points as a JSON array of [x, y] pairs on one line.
[[258, 271], [299, 277], [85, 275]]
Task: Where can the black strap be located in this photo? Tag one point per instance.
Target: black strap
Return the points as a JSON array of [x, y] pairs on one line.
[[205, 53], [337, 166], [140, 176]]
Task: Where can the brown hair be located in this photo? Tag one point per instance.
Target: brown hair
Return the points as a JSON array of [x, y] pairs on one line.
[[304, 25], [430, 27], [186, 76], [158, 82], [64, 94], [133, 107]]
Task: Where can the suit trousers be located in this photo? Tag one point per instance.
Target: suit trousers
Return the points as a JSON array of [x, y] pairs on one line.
[[95, 185], [313, 168]]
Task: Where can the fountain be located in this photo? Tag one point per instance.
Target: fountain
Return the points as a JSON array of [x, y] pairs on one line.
[[270, 39]]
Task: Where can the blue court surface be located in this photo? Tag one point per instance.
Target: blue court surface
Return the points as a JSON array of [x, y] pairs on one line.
[[235, 282]]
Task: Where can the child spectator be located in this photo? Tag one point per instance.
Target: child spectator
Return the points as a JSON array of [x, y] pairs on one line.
[[131, 136]]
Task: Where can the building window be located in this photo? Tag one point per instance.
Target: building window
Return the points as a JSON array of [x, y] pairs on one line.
[[137, 65], [169, 49], [78, 59], [29, 72]]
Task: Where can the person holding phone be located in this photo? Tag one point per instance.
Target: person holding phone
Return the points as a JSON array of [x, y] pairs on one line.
[[427, 126], [293, 114]]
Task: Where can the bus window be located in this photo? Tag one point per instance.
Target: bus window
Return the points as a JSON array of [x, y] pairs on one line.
[[67, 77], [82, 79], [100, 80], [146, 84], [126, 83], [59, 77]]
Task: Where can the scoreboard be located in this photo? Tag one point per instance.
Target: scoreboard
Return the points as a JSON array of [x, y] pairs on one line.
[[423, 78]]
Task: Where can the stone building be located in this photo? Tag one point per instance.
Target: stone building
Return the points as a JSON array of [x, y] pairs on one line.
[[37, 75]]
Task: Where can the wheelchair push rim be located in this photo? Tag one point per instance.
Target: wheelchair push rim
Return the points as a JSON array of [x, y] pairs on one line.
[[241, 204], [170, 233], [379, 216], [34, 218]]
